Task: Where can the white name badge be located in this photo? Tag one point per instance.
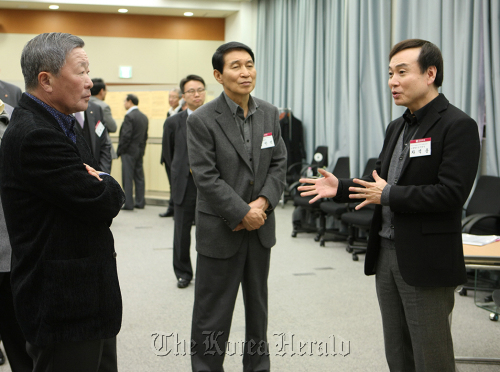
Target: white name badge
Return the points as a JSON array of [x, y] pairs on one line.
[[420, 147], [99, 128], [267, 141]]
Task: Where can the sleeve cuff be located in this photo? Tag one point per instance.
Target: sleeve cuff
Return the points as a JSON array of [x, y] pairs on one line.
[[384, 199]]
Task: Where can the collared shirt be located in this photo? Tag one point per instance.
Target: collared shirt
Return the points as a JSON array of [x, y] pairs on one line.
[[131, 109], [244, 123], [399, 155], [189, 111], [66, 122]]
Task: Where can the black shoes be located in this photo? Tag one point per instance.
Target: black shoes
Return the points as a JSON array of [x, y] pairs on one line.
[[183, 283], [168, 213]]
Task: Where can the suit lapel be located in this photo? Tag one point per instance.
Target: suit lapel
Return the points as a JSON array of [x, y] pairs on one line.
[[90, 120], [230, 128], [257, 135], [183, 126]]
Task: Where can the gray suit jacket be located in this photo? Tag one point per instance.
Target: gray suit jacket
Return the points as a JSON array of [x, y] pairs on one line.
[[10, 93], [227, 180], [107, 118]]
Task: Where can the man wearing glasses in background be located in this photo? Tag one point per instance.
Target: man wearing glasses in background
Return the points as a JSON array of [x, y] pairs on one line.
[[183, 191]]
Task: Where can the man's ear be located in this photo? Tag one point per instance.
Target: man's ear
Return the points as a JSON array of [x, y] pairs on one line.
[[45, 80], [218, 76], [431, 74]]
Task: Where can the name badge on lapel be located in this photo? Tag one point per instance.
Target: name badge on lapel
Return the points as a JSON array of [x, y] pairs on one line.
[[267, 141], [99, 128], [420, 147]]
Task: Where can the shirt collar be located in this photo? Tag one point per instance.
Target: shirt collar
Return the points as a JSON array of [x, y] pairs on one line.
[[131, 109], [233, 106], [189, 111], [66, 122]]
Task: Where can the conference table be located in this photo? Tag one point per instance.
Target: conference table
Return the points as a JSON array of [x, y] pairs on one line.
[[486, 257]]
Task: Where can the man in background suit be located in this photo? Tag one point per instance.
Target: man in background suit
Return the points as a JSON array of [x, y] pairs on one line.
[[183, 188], [95, 133], [131, 147], [422, 179], [99, 92], [238, 160], [174, 97], [10, 94], [64, 278]]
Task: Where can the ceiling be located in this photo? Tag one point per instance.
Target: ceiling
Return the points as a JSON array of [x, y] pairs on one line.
[[200, 8]]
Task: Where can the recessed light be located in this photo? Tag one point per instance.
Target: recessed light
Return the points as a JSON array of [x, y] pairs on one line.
[[54, 7], [122, 10], [188, 14]]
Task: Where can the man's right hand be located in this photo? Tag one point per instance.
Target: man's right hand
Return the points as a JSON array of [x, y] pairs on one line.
[[324, 187], [254, 219]]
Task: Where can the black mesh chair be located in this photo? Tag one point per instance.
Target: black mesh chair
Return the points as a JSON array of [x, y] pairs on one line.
[[312, 211], [338, 230]]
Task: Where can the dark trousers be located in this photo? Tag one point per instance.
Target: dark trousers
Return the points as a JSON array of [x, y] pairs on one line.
[[12, 337], [85, 356], [216, 288], [415, 320], [133, 174], [171, 200], [183, 220]]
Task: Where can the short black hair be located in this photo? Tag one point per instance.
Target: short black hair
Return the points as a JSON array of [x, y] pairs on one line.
[[189, 78], [218, 57], [430, 55], [133, 98], [98, 86]]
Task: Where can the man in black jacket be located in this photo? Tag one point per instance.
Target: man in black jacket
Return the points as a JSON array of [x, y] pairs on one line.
[[131, 147], [64, 277], [422, 179]]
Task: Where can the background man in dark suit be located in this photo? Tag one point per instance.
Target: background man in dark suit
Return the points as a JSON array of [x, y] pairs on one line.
[[183, 188], [131, 147], [238, 160], [64, 278], [174, 98], [427, 167], [10, 93], [96, 135]]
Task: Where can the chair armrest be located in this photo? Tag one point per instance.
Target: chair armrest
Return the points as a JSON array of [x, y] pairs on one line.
[[475, 218]]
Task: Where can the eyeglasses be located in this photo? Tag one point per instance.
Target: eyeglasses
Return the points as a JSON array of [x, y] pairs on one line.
[[192, 91]]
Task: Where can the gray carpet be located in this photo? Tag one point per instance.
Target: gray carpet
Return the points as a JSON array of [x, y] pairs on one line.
[[317, 296]]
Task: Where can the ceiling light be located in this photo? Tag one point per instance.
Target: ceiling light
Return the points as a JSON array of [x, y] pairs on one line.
[[122, 10], [54, 7], [188, 14]]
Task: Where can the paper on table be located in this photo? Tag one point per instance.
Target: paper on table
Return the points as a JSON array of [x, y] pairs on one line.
[[479, 240]]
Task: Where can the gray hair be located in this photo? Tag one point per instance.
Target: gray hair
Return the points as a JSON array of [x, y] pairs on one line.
[[46, 53], [178, 91]]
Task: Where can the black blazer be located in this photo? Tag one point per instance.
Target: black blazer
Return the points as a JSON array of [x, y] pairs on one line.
[[428, 198], [99, 145], [64, 277], [175, 152], [133, 134]]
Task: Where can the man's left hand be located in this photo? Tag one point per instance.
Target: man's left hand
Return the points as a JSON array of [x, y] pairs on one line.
[[371, 191], [93, 172]]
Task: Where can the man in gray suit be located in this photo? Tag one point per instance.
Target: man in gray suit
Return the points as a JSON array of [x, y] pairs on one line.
[[131, 147], [10, 94], [238, 160]]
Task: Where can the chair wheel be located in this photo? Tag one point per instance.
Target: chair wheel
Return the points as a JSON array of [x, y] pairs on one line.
[[321, 243], [349, 249], [462, 292], [355, 257], [317, 238], [294, 234], [493, 317]]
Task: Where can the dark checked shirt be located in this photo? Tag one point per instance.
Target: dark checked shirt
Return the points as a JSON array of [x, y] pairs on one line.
[[66, 122], [244, 123]]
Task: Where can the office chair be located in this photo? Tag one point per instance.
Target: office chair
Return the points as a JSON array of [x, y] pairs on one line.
[[335, 210], [313, 211]]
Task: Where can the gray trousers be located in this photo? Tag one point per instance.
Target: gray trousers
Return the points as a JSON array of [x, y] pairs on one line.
[[415, 320], [133, 174]]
